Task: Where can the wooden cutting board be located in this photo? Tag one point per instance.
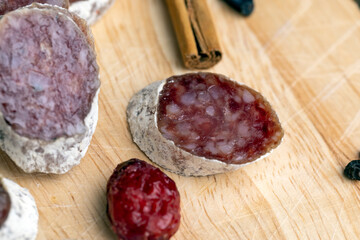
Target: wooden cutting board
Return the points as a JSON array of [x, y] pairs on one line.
[[304, 56]]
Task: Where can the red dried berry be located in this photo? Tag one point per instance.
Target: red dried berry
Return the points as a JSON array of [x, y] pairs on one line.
[[143, 202]]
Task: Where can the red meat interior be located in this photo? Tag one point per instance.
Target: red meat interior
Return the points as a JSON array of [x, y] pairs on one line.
[[210, 116]]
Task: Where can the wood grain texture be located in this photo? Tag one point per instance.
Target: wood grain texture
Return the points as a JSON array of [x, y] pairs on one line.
[[302, 55]]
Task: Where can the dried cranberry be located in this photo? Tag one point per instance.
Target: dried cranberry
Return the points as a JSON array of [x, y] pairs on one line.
[[143, 202]]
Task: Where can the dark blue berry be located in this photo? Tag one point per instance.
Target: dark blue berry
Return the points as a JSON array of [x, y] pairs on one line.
[[245, 7], [352, 170], [358, 2]]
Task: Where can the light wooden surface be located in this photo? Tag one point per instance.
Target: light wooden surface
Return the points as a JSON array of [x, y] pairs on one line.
[[304, 56]]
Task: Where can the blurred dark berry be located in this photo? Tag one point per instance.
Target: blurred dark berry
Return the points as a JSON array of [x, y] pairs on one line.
[[358, 2], [245, 7], [352, 170]]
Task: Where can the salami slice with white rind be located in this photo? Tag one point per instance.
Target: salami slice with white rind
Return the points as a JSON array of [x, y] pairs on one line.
[[202, 124], [11, 5], [90, 10], [49, 82], [22, 220]]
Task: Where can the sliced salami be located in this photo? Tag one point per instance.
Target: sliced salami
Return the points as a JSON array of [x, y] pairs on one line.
[[21, 222], [203, 123], [49, 81], [11, 5], [5, 205], [90, 10]]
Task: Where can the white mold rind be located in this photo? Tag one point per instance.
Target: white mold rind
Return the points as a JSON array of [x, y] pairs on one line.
[[22, 221], [141, 116], [58, 156], [90, 10]]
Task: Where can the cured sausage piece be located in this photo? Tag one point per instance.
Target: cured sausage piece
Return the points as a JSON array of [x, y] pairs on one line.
[[90, 10], [51, 93], [5, 204], [11, 5], [202, 123], [81, 23], [210, 116], [49, 79], [22, 219]]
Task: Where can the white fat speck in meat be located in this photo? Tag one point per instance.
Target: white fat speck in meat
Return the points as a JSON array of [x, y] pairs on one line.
[[248, 97], [210, 110]]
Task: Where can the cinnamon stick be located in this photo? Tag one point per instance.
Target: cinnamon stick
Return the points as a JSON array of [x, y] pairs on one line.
[[195, 32]]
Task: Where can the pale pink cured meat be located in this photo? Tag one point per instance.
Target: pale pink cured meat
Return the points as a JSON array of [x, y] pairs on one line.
[[11, 5], [210, 116], [49, 80], [202, 124], [46, 65]]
